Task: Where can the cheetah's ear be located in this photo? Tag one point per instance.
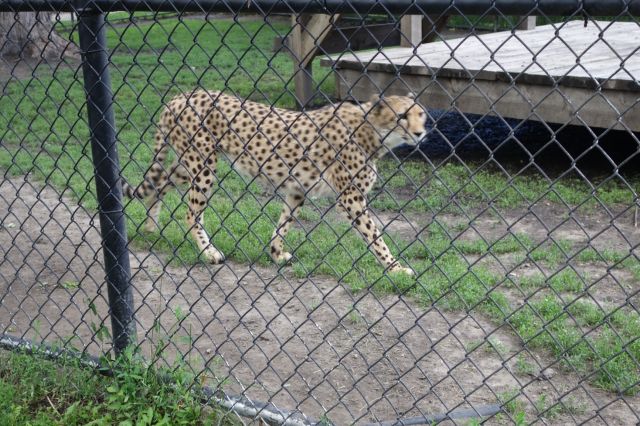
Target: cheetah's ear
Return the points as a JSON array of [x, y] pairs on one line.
[[411, 95], [374, 99]]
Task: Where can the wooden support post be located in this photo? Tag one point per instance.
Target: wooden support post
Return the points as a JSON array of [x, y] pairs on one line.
[[307, 34], [303, 75], [410, 30], [433, 26], [303, 80], [527, 23]]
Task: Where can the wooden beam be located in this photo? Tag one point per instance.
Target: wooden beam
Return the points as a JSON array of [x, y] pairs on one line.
[[303, 77], [341, 39], [307, 34], [527, 23], [303, 81], [433, 26], [313, 33], [410, 30], [572, 105]]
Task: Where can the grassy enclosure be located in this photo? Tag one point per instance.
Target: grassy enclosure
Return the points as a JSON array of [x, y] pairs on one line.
[[464, 259]]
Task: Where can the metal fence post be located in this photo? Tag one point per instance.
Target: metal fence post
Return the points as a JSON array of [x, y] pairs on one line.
[[97, 84]]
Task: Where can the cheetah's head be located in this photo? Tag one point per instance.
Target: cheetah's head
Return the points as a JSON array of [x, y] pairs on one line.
[[398, 120]]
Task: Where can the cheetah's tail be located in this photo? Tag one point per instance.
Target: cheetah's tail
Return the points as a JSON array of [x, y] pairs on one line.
[[154, 174], [131, 191]]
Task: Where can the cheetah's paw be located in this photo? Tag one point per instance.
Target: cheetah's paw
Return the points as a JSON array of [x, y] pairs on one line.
[[283, 259], [213, 255], [396, 268], [151, 226]]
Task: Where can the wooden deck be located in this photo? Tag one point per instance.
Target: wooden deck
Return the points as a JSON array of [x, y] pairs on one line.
[[561, 74]]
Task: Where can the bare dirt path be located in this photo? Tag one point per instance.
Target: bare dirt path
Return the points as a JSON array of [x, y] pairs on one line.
[[302, 344]]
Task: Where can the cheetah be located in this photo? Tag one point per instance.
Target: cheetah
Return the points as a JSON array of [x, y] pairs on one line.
[[331, 150]]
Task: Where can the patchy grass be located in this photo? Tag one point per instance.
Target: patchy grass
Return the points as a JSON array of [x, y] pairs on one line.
[[38, 392], [608, 349], [523, 366], [44, 133], [566, 280]]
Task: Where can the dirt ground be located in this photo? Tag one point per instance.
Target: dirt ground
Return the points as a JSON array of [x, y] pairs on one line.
[[302, 344]]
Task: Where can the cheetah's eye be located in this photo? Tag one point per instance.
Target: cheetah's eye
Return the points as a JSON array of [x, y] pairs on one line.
[[402, 116]]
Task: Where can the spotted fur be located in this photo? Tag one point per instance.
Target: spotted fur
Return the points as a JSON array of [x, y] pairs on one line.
[[327, 151]]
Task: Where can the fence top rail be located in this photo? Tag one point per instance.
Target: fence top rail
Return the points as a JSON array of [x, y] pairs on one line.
[[467, 7]]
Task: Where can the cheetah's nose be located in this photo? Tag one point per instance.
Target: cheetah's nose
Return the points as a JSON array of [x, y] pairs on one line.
[[418, 134]]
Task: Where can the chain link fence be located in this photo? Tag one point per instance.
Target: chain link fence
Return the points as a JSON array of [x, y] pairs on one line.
[[505, 190]]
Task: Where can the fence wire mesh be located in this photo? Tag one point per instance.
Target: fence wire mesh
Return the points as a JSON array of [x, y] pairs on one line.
[[508, 205]]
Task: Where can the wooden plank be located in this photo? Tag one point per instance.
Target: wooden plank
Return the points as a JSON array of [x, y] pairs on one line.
[[596, 64], [491, 39], [597, 61], [541, 35], [502, 56], [508, 51], [470, 47], [467, 58], [531, 102], [400, 52], [477, 74], [633, 66], [446, 47]]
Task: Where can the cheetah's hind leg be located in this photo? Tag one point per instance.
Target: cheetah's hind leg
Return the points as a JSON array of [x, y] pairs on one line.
[[177, 175], [292, 204]]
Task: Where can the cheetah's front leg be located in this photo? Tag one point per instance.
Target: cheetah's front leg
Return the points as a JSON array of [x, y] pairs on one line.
[[197, 202], [198, 198], [354, 204]]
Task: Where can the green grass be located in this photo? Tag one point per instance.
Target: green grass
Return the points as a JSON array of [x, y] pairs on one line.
[[564, 280], [38, 392], [474, 185], [43, 131]]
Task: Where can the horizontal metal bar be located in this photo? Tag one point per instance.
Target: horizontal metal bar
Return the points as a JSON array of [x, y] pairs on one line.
[[12, 343], [482, 411], [237, 403], [455, 7]]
